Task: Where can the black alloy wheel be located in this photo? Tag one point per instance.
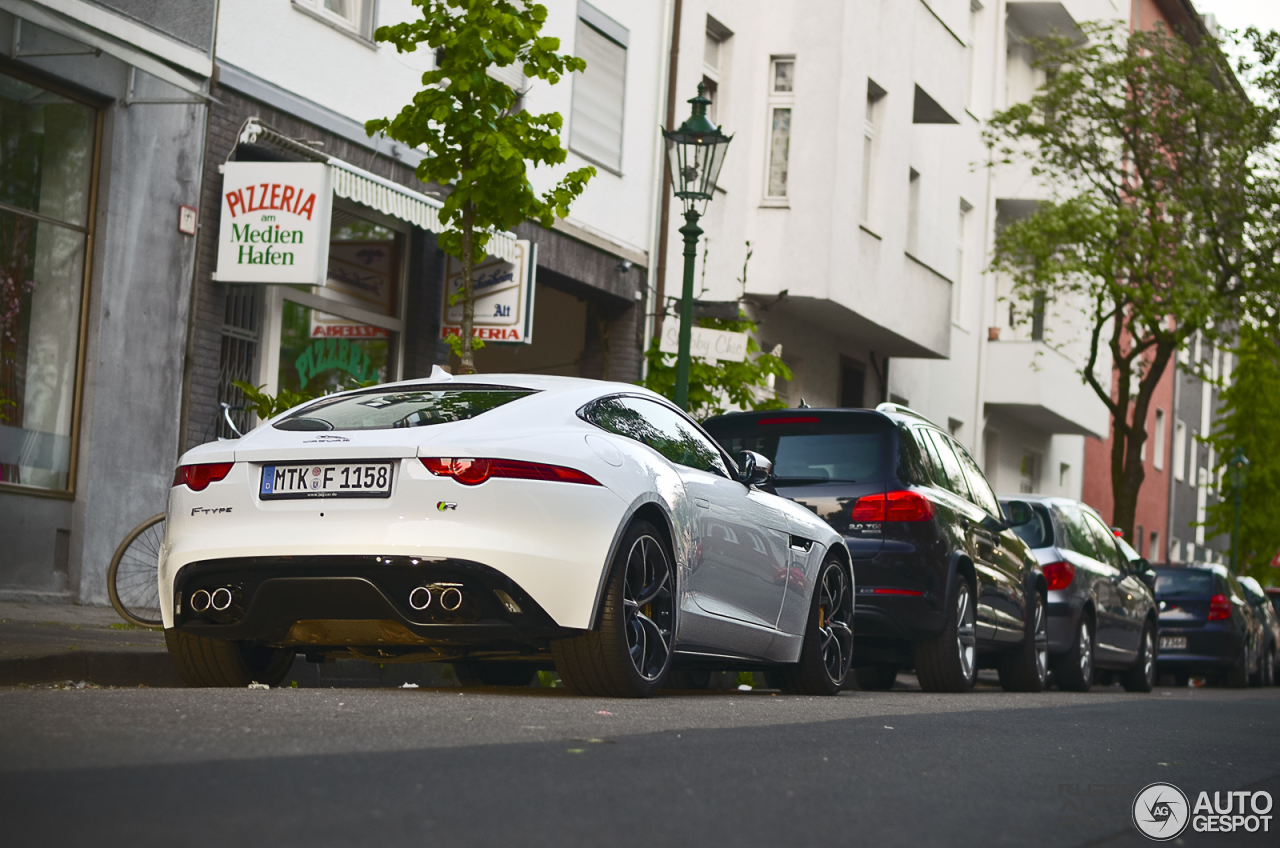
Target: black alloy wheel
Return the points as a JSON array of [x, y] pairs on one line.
[[827, 649], [1238, 676], [630, 654], [1142, 677]]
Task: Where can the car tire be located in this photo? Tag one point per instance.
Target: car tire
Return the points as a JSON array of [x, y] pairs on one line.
[[1073, 671], [1238, 677], [948, 662], [1142, 677], [630, 654], [1025, 668], [472, 673], [876, 678], [827, 649], [205, 662]]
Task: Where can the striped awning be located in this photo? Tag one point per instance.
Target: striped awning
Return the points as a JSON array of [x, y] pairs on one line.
[[360, 186]]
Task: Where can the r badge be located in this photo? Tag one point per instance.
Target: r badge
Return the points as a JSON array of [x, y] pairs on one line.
[[443, 505]]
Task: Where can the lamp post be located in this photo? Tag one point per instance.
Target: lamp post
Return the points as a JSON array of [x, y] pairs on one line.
[[1238, 475], [695, 153]]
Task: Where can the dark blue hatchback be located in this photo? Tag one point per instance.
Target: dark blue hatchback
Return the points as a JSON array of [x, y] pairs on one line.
[[1207, 626]]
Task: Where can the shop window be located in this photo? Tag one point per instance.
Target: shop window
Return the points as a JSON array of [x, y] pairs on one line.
[[355, 16], [598, 92], [47, 151], [347, 333], [782, 94]]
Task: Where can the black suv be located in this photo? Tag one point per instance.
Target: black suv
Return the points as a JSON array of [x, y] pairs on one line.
[[943, 585]]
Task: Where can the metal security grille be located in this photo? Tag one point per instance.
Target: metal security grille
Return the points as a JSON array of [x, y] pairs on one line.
[[238, 357]]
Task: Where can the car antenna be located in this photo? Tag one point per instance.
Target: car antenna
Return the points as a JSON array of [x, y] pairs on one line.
[[803, 404]]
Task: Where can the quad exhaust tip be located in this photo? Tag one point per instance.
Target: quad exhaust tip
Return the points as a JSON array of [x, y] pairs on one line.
[[451, 599], [420, 598], [200, 600], [220, 598]]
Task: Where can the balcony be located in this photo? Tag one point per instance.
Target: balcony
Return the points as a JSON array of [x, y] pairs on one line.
[[1033, 383]]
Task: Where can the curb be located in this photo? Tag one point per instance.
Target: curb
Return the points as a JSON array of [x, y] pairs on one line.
[[105, 668]]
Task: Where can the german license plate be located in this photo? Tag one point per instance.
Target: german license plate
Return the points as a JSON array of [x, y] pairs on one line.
[[327, 480], [1173, 643]]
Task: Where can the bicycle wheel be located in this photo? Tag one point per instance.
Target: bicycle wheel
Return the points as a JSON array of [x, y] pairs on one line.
[[132, 580]]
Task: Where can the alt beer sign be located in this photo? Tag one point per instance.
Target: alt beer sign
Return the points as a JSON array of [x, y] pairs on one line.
[[275, 223]]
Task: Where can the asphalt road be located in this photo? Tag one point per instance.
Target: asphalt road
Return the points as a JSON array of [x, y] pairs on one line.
[[478, 767]]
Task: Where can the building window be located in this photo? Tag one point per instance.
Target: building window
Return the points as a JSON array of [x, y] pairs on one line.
[[355, 16], [598, 92], [1029, 473], [347, 332], [48, 146], [1138, 539], [1153, 547], [975, 26], [714, 61], [962, 233], [1195, 458], [781, 98], [871, 126], [1158, 459], [1179, 450], [913, 211]]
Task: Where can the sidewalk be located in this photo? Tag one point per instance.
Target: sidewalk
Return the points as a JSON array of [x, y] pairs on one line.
[[55, 643]]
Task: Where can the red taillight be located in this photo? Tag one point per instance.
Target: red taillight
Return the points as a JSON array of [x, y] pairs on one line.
[[473, 472], [1059, 575], [198, 477], [1219, 608], [892, 506]]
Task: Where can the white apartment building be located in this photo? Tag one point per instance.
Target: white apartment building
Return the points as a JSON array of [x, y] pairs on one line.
[[857, 175]]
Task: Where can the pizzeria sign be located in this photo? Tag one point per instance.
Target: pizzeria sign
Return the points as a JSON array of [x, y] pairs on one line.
[[275, 223]]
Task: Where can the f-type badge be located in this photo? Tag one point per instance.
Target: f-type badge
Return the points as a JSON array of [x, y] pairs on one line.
[[443, 505]]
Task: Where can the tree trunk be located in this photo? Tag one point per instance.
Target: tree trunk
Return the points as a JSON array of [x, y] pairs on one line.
[[467, 354], [1127, 471]]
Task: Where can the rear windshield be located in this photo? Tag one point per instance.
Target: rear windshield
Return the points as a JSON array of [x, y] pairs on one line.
[[384, 410], [1185, 582], [807, 449]]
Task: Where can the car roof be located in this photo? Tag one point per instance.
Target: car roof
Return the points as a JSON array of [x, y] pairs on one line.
[[1220, 570], [888, 411]]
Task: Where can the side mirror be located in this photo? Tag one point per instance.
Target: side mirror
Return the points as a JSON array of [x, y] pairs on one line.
[[1142, 569], [1018, 513], [754, 469]]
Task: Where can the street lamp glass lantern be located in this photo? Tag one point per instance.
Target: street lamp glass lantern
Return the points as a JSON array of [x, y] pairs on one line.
[[695, 153], [1238, 471]]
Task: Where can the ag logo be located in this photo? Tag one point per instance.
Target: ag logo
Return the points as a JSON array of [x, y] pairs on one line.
[[1161, 812]]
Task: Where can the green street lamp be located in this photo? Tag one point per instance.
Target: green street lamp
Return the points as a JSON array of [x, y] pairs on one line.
[[695, 153], [1237, 475]]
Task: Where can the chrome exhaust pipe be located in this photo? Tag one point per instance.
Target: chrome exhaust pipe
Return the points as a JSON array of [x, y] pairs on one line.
[[200, 600], [451, 599], [220, 598], [420, 598]]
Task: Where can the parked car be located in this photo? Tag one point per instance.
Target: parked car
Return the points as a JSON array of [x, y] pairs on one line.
[[1102, 613], [1266, 674], [1207, 625], [944, 586], [1273, 593], [498, 522]]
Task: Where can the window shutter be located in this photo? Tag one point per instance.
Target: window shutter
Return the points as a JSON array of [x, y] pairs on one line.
[[597, 98]]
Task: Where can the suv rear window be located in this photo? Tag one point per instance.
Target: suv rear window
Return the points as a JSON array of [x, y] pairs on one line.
[[808, 449], [389, 410], [1185, 582]]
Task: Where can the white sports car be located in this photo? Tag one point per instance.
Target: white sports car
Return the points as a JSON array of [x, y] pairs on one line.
[[501, 523]]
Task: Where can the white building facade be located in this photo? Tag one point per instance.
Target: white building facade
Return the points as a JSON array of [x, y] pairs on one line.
[[857, 173]]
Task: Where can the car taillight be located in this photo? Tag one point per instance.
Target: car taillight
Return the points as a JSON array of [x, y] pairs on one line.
[[1059, 575], [473, 472], [198, 477], [892, 506], [1219, 608]]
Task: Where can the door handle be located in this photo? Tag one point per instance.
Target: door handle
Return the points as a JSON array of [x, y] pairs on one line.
[[702, 502]]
